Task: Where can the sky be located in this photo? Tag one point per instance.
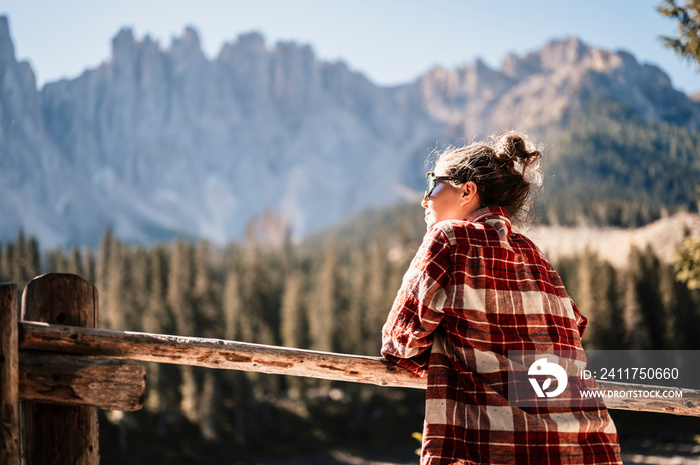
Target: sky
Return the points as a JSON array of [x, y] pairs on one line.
[[390, 41]]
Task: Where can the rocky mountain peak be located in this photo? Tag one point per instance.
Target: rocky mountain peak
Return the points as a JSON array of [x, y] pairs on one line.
[[164, 142], [553, 56], [123, 41], [245, 44], [567, 51], [125, 46], [7, 49], [188, 46], [18, 92]]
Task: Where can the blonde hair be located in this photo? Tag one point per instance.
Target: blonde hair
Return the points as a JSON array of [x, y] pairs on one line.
[[504, 170]]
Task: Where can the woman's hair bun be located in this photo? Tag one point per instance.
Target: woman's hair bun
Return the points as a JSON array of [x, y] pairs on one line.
[[513, 147], [504, 168]]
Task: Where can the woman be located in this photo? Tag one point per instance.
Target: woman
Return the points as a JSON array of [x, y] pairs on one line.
[[475, 291]]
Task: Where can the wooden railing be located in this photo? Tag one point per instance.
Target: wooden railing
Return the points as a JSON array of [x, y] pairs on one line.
[[62, 369]]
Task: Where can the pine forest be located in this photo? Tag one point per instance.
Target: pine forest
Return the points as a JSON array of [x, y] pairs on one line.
[[331, 292]]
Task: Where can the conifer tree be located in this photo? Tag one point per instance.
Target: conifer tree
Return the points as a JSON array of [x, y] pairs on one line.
[[179, 293], [206, 290], [57, 262], [635, 327], [379, 297], [112, 315], [261, 290], [189, 395], [355, 323], [232, 307], [103, 257], [586, 302], [292, 314], [89, 265], [155, 320], [179, 297], [322, 303], [137, 282], [209, 400], [75, 262], [11, 257], [18, 261], [234, 382], [595, 287], [32, 265], [6, 262], [687, 43], [16, 256], [293, 322], [681, 305], [612, 334], [159, 319], [644, 270]]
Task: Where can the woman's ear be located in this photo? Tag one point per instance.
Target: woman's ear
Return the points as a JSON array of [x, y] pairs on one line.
[[469, 194]]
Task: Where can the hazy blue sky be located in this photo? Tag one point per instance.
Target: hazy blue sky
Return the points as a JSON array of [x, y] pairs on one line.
[[391, 41]]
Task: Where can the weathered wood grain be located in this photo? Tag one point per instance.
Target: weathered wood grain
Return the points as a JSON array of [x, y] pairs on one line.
[[217, 353], [9, 374], [634, 397], [59, 434], [75, 380]]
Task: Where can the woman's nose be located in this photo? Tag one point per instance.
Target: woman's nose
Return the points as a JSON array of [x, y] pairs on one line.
[[424, 202]]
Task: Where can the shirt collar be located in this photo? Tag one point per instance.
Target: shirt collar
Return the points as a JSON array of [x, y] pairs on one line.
[[492, 216]]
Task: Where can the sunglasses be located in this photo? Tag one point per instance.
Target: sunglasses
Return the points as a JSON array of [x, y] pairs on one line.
[[432, 182]]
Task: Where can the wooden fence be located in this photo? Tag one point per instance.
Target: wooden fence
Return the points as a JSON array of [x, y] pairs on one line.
[[57, 369]]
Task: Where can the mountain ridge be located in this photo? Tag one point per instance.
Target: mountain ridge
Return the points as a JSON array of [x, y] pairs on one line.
[[158, 142]]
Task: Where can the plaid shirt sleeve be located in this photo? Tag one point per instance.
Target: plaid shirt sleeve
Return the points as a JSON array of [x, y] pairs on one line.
[[417, 310]]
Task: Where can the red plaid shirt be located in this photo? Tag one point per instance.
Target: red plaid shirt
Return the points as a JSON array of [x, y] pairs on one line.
[[473, 292]]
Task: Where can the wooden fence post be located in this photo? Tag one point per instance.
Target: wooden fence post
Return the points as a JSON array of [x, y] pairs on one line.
[[9, 376], [59, 434]]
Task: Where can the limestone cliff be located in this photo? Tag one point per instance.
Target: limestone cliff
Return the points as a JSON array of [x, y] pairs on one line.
[[161, 141]]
